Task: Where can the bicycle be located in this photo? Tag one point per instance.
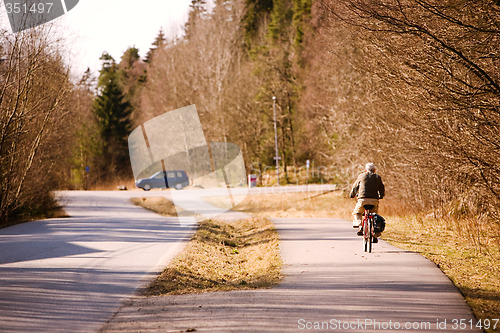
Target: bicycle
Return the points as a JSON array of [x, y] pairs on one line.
[[368, 228]]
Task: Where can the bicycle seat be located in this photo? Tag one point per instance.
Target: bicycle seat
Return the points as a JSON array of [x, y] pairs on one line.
[[369, 207]]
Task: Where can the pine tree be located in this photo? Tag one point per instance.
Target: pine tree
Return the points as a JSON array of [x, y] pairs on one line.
[[112, 113], [255, 11], [132, 73], [301, 15], [130, 56], [280, 21], [160, 40]]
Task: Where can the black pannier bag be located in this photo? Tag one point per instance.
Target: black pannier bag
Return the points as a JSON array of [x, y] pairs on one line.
[[378, 223]]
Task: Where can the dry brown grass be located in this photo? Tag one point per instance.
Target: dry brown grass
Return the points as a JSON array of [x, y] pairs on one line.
[[158, 205], [221, 256], [333, 204], [312, 204], [224, 256], [111, 185]]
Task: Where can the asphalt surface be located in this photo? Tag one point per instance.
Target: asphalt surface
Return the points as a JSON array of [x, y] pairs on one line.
[[70, 274], [330, 285], [75, 274]]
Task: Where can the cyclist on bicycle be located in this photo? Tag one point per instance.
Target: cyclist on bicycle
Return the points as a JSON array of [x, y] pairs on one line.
[[369, 189]]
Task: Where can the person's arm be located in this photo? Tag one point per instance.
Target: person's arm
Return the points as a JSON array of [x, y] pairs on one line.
[[381, 189], [355, 188]]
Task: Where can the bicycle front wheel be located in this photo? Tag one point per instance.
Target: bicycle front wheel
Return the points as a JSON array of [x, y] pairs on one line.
[[365, 235]]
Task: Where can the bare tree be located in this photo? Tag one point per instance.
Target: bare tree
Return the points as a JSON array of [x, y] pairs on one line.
[[430, 106], [33, 106], [196, 69]]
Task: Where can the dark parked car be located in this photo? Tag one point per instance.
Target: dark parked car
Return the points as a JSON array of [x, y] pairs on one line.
[[164, 179]]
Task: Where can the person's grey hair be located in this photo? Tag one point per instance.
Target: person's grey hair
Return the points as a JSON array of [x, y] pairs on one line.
[[370, 167]]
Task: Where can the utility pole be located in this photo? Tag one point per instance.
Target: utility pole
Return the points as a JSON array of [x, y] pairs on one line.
[[277, 157]]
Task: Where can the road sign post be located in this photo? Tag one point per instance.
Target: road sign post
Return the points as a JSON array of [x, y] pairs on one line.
[[87, 171], [308, 163]]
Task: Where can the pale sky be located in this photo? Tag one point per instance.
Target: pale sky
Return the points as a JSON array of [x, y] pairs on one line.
[[95, 26]]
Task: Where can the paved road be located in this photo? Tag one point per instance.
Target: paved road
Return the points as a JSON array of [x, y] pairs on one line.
[[70, 275], [330, 285]]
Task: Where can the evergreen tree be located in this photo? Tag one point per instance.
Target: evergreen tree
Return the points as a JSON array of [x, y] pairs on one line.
[[130, 56], [132, 73], [255, 11], [279, 60], [112, 113], [301, 15], [281, 16], [160, 40]]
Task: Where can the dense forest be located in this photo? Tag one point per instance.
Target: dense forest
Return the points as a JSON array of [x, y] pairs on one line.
[[413, 86]]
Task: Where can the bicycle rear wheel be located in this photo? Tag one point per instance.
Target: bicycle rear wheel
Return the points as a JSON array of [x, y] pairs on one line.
[[370, 234]]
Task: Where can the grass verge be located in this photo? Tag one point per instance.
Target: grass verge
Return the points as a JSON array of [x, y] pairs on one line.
[[159, 205], [56, 212], [304, 204], [221, 256]]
